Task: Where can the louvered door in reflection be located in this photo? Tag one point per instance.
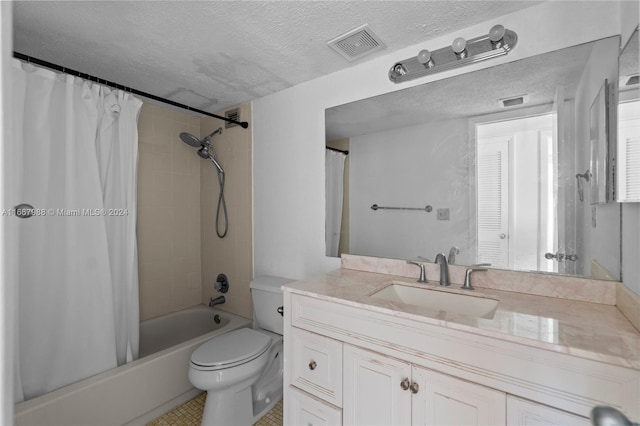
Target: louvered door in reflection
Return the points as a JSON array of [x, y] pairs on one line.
[[493, 201], [629, 151]]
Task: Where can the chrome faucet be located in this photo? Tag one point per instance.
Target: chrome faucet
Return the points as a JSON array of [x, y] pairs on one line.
[[216, 301], [423, 276], [441, 260]]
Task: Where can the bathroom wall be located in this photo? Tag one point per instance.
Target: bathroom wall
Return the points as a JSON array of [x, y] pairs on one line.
[[168, 212], [233, 254], [288, 155], [411, 167]]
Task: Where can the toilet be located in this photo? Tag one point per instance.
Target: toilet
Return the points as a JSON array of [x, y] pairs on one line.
[[242, 370]]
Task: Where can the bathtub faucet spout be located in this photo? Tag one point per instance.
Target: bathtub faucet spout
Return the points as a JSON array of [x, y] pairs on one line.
[[216, 301]]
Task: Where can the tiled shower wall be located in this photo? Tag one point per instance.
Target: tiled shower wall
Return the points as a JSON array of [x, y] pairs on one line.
[[179, 253], [168, 212], [233, 254]]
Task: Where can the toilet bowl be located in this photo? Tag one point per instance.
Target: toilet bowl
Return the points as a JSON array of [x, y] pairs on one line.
[[242, 370]]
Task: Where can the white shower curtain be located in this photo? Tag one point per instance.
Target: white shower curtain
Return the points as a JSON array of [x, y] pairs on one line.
[[334, 187], [78, 274]]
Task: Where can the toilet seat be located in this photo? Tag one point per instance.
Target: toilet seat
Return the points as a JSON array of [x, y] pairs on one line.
[[230, 349]]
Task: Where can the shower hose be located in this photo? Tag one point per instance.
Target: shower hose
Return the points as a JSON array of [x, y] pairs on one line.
[[221, 205]]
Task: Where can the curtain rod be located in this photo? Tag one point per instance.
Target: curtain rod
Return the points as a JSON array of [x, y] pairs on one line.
[[89, 77], [337, 150]]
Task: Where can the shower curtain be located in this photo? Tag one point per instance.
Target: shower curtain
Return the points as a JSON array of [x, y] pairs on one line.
[[334, 187], [78, 274]]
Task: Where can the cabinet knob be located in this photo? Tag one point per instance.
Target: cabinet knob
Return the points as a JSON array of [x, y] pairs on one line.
[[312, 365], [414, 388], [404, 384]]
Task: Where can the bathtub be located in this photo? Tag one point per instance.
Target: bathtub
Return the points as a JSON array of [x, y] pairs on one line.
[[141, 390]]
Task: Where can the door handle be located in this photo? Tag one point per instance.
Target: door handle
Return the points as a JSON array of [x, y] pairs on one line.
[[502, 236]]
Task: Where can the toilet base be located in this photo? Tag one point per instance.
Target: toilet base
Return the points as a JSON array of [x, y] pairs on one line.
[[225, 408]]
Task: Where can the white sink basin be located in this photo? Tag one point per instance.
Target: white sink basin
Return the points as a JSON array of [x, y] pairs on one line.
[[438, 300]]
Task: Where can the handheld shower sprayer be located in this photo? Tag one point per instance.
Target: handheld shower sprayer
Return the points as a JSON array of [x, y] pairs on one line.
[[208, 152]]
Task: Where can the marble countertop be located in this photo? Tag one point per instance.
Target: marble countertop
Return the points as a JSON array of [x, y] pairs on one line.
[[588, 330]]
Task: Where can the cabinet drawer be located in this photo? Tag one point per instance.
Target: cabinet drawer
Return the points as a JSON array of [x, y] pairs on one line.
[[316, 365], [304, 409]]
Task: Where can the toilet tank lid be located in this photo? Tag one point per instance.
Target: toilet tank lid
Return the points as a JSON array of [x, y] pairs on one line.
[[269, 283]]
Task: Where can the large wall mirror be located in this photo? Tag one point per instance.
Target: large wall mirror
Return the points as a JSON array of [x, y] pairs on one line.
[[484, 167]]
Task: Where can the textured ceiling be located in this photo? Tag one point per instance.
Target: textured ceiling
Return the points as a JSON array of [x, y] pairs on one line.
[[466, 95], [215, 54]]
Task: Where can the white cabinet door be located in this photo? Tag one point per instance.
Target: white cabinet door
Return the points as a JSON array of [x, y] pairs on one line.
[[446, 401], [307, 410], [373, 391], [521, 412]]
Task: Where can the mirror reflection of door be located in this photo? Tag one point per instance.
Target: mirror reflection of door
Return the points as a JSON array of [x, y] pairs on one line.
[[517, 223], [629, 151]]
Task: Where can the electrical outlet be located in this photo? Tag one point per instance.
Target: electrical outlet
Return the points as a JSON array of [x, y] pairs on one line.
[[443, 214]]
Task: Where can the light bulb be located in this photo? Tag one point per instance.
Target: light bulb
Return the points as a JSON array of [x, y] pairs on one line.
[[496, 33], [459, 47], [424, 57]]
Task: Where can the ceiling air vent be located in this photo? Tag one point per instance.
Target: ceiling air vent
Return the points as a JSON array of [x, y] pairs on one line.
[[232, 114], [633, 79], [356, 43], [514, 101]]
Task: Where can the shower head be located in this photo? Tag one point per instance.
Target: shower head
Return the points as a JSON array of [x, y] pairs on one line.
[[204, 145], [191, 140]]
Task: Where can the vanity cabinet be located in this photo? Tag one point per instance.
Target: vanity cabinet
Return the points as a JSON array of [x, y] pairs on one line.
[[379, 390], [353, 365]]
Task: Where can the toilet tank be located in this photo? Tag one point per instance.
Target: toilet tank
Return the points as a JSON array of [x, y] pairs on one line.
[[267, 298]]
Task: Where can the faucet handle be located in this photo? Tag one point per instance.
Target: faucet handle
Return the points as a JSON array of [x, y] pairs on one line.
[[467, 276], [423, 275]]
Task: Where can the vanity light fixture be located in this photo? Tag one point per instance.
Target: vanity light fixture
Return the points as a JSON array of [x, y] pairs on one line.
[[499, 41]]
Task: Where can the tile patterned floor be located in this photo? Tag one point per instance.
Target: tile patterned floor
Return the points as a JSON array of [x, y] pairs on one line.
[[190, 414]]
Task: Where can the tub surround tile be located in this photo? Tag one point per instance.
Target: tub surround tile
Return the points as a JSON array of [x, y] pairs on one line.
[[168, 224], [548, 285], [232, 255], [589, 330]]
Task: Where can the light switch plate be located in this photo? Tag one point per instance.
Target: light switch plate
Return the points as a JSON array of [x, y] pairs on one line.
[[443, 214]]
